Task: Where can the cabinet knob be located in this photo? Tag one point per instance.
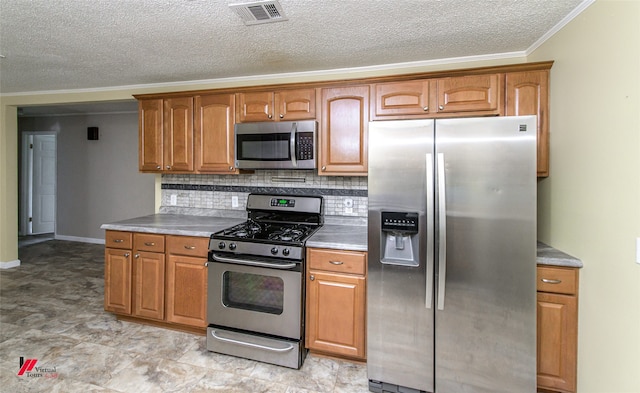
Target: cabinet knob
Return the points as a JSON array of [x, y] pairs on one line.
[[230, 168], [270, 117], [137, 256], [281, 116], [425, 108], [158, 167], [168, 166], [324, 168], [206, 264], [126, 255], [441, 107], [312, 277]]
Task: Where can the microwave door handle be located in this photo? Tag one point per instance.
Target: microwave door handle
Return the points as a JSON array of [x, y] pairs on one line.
[[292, 144]]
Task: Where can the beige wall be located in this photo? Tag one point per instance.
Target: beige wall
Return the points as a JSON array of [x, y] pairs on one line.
[[590, 205]]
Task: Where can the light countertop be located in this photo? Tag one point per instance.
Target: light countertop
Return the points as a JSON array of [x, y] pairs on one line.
[[334, 235]]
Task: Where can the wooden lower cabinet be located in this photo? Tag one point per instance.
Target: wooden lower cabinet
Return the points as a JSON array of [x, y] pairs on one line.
[[187, 280], [557, 327], [117, 280], [146, 280], [336, 302]]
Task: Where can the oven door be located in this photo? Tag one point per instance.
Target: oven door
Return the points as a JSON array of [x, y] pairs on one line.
[[255, 295]]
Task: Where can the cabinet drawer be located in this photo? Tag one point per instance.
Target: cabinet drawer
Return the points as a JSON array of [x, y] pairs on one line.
[[557, 280], [188, 245], [148, 242], [337, 261], [118, 239]]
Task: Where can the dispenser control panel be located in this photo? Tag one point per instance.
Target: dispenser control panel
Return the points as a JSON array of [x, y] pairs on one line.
[[400, 222]]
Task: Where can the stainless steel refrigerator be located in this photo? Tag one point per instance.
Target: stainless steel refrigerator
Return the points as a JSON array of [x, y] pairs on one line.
[[451, 296]]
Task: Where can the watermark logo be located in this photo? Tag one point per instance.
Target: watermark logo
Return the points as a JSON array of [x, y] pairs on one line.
[[29, 369]]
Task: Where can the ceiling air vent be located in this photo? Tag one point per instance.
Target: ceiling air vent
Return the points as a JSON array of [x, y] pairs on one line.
[[257, 12]]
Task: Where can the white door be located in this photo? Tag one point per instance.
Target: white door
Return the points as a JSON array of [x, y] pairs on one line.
[[43, 197]]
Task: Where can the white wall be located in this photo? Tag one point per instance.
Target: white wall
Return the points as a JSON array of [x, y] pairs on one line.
[[97, 181], [590, 205]]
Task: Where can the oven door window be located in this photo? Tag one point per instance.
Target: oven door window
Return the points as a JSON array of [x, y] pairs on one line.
[[263, 147], [253, 292]]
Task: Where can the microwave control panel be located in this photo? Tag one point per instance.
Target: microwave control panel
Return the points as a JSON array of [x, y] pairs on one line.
[[304, 146]]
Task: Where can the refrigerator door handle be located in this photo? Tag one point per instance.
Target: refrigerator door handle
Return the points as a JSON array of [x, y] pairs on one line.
[[429, 234], [442, 232]]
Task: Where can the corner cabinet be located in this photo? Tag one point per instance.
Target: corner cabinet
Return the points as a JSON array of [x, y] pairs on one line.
[[557, 327], [156, 278], [344, 125], [336, 302], [527, 93]]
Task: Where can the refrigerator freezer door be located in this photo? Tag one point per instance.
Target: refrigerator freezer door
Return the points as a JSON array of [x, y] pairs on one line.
[[485, 331], [400, 346]]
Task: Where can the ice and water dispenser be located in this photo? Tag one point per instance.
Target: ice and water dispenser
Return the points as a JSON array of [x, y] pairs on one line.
[[399, 238]]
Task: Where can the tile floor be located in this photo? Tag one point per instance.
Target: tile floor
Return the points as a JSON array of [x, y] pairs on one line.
[[51, 311]]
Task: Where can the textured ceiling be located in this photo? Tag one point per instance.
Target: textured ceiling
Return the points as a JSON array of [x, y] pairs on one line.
[[83, 44]]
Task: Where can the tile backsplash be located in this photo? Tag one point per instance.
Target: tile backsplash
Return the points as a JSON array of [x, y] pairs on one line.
[[343, 195]]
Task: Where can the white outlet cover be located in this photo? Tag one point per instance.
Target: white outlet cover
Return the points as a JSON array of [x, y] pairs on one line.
[[638, 250], [174, 200]]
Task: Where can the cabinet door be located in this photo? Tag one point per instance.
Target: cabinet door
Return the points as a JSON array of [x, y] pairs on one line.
[[117, 281], [527, 93], [336, 313], [557, 341], [344, 128], [398, 99], [214, 140], [178, 134], [296, 104], [149, 270], [150, 139], [476, 93], [256, 106], [187, 290]]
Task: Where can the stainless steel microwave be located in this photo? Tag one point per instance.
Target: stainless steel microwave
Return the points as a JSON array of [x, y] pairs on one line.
[[276, 145]]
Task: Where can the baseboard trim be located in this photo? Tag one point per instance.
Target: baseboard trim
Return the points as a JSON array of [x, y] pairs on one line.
[[79, 239], [9, 264]]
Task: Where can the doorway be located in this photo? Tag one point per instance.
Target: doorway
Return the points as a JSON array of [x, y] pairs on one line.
[[38, 200]]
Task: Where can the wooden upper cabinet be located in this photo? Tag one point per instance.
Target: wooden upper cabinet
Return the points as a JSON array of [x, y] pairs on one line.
[[474, 93], [213, 128], [527, 93], [282, 105], [150, 136], [178, 134], [344, 125], [400, 98], [296, 104]]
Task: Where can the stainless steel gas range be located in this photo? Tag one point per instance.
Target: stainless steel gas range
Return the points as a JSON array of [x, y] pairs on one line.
[[256, 280]]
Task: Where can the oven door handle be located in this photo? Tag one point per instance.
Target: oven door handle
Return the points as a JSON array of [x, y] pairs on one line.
[[283, 266], [288, 348]]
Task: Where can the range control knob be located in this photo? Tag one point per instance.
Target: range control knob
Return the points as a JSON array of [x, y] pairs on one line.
[[285, 252], [221, 245], [232, 246], [274, 250]]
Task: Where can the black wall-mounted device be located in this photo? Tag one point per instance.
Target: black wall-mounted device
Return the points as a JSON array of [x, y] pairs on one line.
[[92, 133]]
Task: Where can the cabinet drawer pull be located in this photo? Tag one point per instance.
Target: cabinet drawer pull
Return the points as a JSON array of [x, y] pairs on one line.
[[149, 244], [190, 247], [550, 281], [118, 240], [336, 262]]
